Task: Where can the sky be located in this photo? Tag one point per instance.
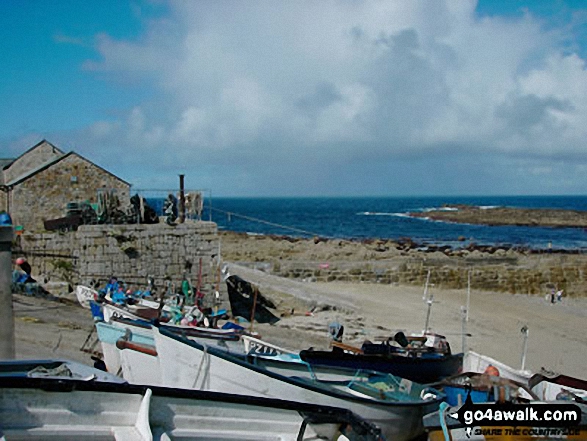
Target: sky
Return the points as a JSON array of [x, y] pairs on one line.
[[304, 98]]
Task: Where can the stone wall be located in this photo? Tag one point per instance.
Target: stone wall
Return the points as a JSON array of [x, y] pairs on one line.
[[507, 274], [130, 252], [45, 195], [488, 277]]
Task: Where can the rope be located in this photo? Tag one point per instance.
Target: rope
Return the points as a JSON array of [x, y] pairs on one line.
[[273, 224], [442, 414], [302, 431], [41, 371], [206, 376], [358, 373], [312, 373]]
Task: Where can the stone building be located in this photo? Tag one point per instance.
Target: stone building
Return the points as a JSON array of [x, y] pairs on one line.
[[40, 183]]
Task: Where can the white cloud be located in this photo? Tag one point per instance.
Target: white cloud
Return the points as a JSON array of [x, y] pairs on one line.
[[269, 83]]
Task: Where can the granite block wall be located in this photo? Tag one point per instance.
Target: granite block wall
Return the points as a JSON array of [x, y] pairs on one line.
[[45, 195], [130, 252]]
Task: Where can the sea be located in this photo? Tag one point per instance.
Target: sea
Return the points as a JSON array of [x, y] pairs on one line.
[[364, 218]]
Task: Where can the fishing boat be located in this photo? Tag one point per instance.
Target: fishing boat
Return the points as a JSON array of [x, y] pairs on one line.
[[129, 349], [129, 353], [558, 387], [85, 295], [474, 362], [110, 313], [146, 313], [482, 388], [49, 408], [134, 312], [395, 405], [258, 347], [230, 332], [424, 358]]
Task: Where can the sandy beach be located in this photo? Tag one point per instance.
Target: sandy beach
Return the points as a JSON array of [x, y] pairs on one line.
[[556, 342], [555, 339]]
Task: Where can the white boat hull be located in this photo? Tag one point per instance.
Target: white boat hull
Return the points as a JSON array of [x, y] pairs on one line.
[[85, 295], [48, 409], [474, 362], [134, 364], [185, 366], [135, 367]]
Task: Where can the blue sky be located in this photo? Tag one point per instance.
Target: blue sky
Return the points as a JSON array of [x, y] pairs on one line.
[[265, 98]]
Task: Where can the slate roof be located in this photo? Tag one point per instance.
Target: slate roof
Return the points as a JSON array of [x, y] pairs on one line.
[[45, 166]]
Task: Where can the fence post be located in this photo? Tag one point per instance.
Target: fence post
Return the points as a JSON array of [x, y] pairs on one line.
[[181, 200], [7, 350]]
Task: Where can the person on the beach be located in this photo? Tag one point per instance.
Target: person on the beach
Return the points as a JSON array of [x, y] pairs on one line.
[[559, 295], [26, 269]]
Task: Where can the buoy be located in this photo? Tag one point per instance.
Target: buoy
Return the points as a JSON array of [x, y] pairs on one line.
[[492, 370]]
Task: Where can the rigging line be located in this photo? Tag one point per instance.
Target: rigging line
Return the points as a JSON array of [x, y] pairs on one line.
[[265, 222]]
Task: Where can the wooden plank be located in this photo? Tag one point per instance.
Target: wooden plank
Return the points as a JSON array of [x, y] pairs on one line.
[[346, 347]]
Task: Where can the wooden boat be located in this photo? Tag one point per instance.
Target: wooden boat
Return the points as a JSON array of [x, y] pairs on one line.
[[255, 346], [114, 313], [393, 404], [558, 387], [141, 313], [210, 333], [246, 301], [417, 360], [134, 312], [85, 295], [129, 349], [48, 408], [130, 354], [125, 340], [474, 362]]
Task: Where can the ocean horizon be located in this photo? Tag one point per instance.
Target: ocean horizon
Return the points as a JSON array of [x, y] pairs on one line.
[[373, 217]]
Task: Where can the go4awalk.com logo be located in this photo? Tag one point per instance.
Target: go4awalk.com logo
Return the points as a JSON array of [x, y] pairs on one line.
[[534, 419]]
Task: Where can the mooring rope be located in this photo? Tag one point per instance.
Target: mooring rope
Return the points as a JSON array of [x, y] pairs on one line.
[[273, 224], [203, 368]]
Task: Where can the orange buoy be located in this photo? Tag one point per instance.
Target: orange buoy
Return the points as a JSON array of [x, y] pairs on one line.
[[492, 370]]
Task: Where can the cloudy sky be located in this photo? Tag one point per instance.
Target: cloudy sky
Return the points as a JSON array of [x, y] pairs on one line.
[[305, 98]]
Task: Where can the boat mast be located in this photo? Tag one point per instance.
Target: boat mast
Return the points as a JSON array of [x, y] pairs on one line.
[[426, 287], [525, 331], [429, 301], [468, 294]]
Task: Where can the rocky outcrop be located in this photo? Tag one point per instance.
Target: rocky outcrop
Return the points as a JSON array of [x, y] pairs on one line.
[[529, 217], [493, 268]]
